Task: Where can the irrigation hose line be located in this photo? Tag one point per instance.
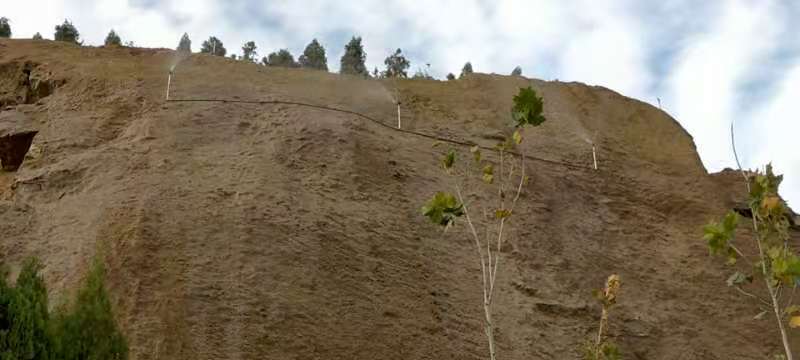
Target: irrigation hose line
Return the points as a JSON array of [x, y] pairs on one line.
[[432, 137]]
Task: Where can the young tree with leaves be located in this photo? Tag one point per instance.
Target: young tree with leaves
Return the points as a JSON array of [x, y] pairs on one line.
[[37, 36], [517, 71], [509, 176], [213, 46], [466, 70], [113, 39], [354, 58], [185, 44], [67, 32], [280, 58], [776, 261], [450, 77], [249, 51], [602, 348], [5, 27], [314, 57], [396, 65]]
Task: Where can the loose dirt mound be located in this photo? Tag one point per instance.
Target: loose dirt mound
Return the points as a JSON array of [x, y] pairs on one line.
[[247, 231]]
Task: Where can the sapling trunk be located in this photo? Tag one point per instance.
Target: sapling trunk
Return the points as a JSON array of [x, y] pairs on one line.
[[444, 208], [490, 263], [773, 292]]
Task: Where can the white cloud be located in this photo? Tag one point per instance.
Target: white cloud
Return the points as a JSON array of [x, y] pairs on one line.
[[706, 82], [777, 134], [610, 51]]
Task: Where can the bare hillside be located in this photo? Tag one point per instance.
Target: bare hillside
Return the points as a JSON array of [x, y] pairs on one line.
[[278, 231]]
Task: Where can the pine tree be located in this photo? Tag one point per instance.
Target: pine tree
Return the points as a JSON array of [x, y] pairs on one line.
[[396, 65], [517, 71], [5, 28], [113, 39], [314, 57], [213, 46], [67, 32], [185, 45], [37, 36], [466, 70], [25, 332], [281, 58], [87, 329], [249, 51], [354, 57]]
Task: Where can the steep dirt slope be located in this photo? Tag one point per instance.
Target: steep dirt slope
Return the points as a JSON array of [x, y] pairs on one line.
[[247, 231]]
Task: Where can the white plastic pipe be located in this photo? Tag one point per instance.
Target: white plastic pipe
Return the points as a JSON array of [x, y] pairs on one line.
[[169, 80], [398, 115], [594, 156]]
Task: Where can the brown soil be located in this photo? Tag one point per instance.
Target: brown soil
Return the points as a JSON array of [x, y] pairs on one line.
[[273, 231]]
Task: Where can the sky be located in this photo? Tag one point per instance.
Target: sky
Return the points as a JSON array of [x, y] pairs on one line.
[[709, 63]]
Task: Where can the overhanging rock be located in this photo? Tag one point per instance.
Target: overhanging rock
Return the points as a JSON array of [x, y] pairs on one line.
[[13, 147]]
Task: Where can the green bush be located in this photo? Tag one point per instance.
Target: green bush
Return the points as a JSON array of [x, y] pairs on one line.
[[113, 39], [5, 28], [23, 333], [84, 329], [67, 32]]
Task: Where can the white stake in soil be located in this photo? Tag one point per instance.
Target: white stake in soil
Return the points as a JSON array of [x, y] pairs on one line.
[[169, 80]]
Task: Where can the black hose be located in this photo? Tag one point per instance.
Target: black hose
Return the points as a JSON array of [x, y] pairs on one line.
[[380, 123]]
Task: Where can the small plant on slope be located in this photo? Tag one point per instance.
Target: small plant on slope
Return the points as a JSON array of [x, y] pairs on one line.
[[445, 208], [776, 262], [602, 348]]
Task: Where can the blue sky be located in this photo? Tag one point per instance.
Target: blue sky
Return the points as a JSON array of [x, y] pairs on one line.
[[710, 62]]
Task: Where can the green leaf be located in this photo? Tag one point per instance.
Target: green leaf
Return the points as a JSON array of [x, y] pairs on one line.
[[719, 235], [774, 252], [488, 174], [517, 137], [449, 159], [443, 209], [794, 322], [786, 268], [792, 309], [528, 108], [501, 213]]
